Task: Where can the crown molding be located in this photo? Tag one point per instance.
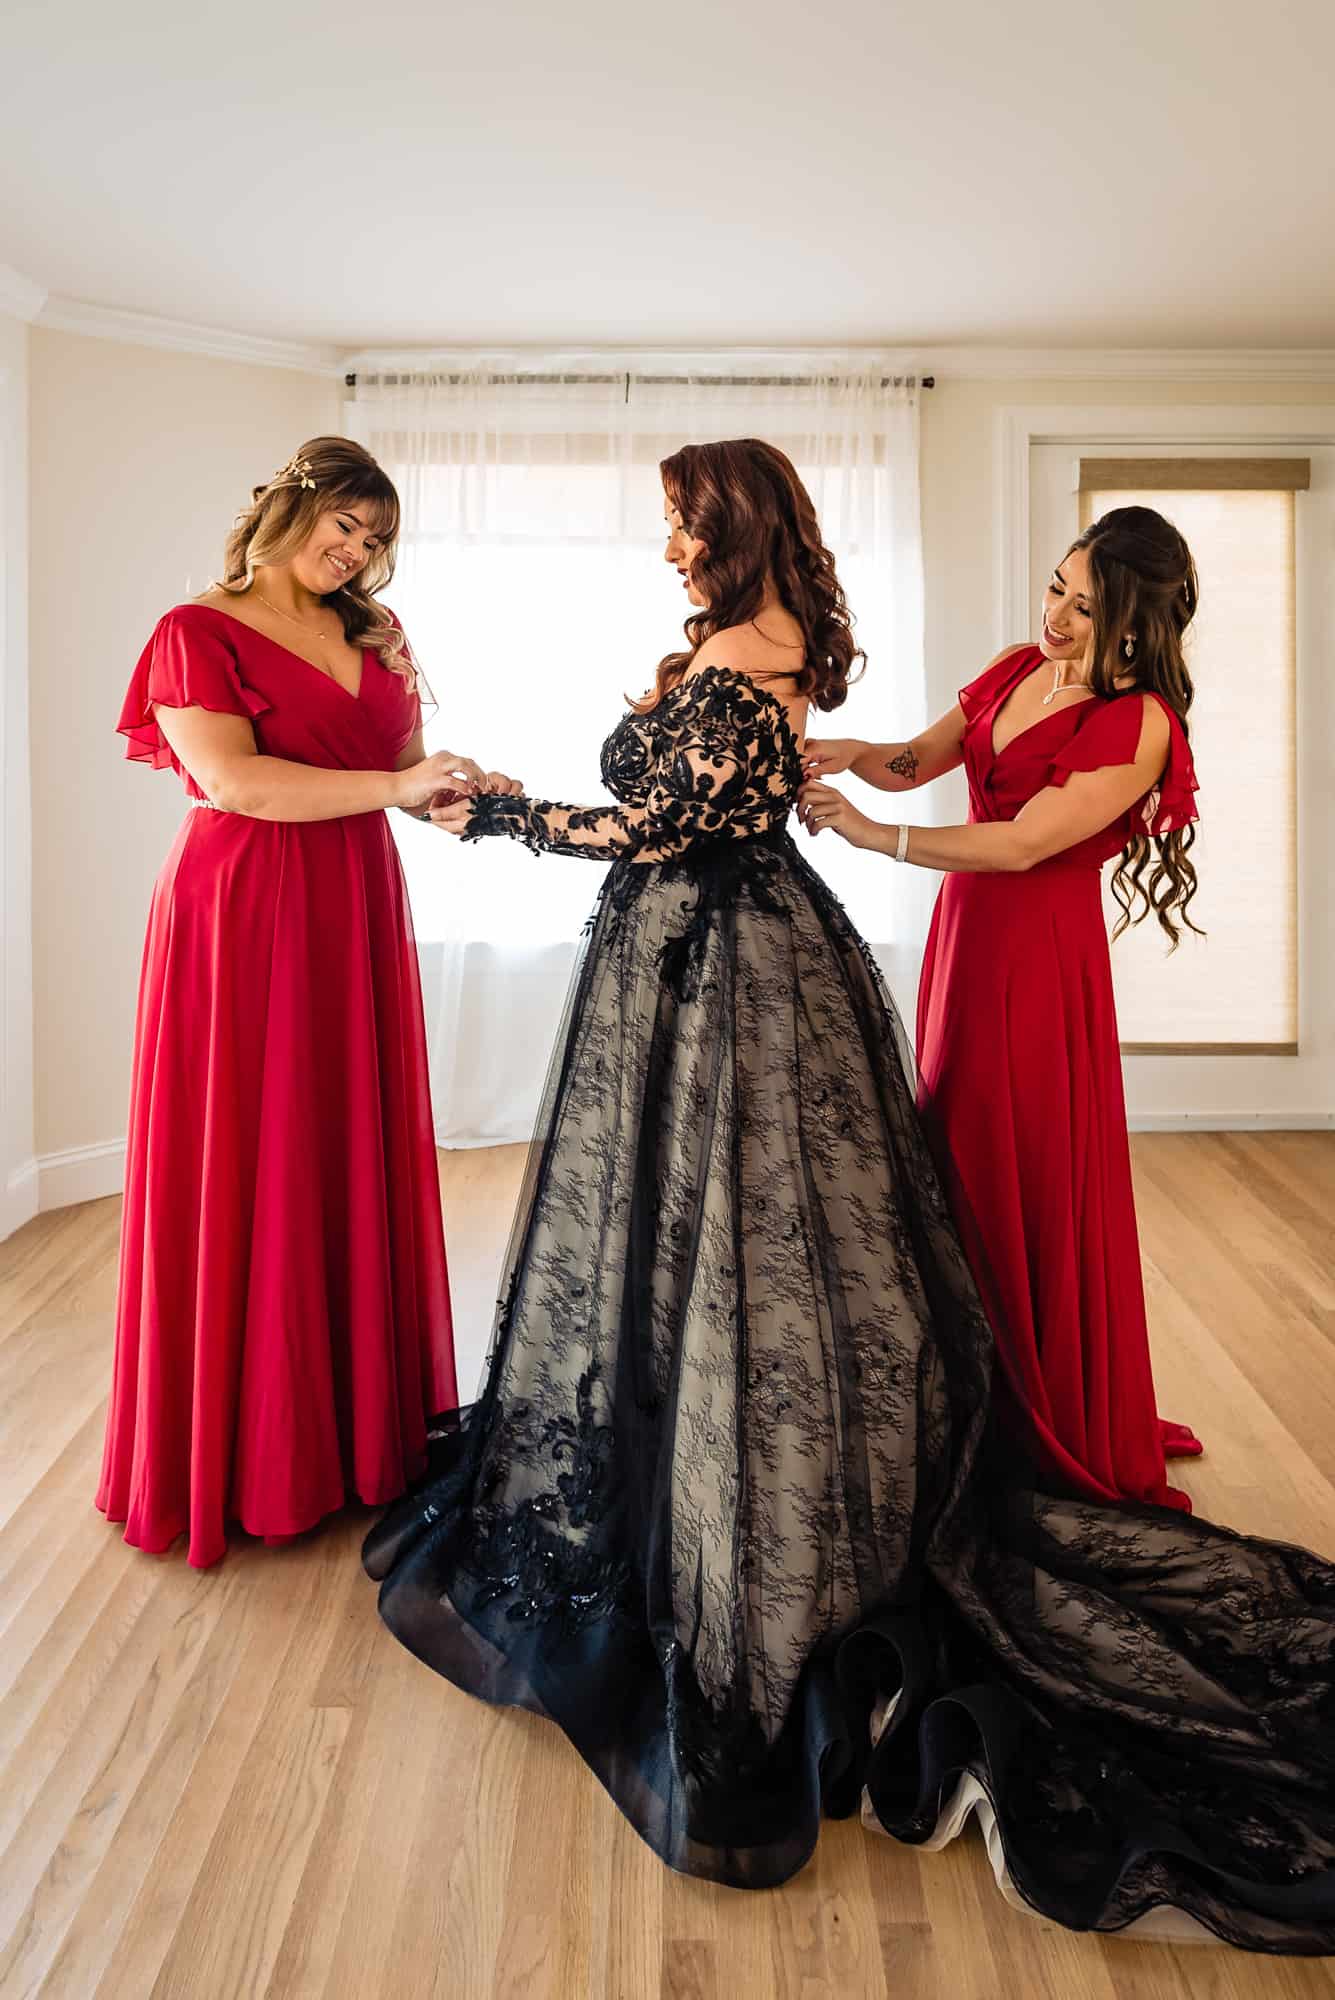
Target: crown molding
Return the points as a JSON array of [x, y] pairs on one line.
[[19, 295], [65, 315], [1129, 364], [957, 363]]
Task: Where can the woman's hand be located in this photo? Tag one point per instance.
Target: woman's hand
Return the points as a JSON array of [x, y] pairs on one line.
[[820, 806], [451, 812], [823, 757], [443, 772]]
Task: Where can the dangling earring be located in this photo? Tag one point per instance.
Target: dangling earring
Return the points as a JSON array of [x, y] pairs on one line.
[[1129, 647]]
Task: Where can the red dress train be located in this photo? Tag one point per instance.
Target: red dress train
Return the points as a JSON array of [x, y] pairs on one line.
[[1021, 1090], [283, 1320]]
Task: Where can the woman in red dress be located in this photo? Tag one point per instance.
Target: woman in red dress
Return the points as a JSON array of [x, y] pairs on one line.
[[1076, 751], [283, 1320]]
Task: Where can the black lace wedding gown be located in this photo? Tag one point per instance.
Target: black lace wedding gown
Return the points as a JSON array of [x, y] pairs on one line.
[[729, 1490]]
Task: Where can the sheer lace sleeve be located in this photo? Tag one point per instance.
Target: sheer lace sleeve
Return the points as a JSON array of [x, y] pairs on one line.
[[708, 784]]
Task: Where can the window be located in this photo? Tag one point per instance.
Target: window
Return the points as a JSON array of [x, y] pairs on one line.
[[532, 585]]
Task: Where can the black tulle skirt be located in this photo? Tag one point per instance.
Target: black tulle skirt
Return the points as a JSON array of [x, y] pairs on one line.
[[730, 1511]]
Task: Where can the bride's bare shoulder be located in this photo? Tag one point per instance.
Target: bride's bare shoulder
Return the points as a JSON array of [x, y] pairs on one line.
[[741, 649]]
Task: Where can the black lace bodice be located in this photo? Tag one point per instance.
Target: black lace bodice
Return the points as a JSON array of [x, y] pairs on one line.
[[716, 759]]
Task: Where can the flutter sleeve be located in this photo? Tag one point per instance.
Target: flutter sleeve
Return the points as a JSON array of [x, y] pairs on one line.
[[1111, 735], [994, 681], [701, 788], [410, 694], [186, 664]]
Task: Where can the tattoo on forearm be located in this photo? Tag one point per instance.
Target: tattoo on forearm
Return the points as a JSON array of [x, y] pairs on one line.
[[905, 765]]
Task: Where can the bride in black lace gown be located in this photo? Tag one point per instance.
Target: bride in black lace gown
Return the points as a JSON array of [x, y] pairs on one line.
[[728, 1509]]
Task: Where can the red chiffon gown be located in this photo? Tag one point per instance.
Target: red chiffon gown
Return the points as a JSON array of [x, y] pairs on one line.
[[1021, 1091], [283, 1320]]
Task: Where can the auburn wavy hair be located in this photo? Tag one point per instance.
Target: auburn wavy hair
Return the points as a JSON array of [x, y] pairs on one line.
[[322, 476], [744, 501], [1142, 581]]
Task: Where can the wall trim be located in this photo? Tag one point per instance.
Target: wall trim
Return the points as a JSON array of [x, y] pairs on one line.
[[80, 1173], [1231, 1121], [65, 315], [90, 1173], [961, 362], [18, 1204], [19, 295], [1133, 364]]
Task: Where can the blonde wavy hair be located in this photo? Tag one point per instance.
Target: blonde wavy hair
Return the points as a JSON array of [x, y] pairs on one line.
[[322, 476]]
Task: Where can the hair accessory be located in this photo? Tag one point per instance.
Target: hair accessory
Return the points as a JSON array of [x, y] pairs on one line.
[[299, 471]]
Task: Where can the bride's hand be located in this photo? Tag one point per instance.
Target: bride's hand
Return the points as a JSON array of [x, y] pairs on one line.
[[823, 757], [444, 771], [496, 781], [820, 806], [451, 812]]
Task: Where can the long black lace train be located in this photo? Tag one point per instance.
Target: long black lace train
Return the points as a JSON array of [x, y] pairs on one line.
[[729, 1484]]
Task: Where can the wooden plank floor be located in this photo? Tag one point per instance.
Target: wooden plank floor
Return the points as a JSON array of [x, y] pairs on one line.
[[235, 1785]]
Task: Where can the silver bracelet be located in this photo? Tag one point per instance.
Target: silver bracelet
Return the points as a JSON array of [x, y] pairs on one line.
[[902, 844]]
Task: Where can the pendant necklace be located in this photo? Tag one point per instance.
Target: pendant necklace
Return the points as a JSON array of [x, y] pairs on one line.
[[313, 638], [1058, 686]]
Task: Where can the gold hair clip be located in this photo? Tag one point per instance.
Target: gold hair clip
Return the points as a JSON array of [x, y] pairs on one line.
[[298, 470]]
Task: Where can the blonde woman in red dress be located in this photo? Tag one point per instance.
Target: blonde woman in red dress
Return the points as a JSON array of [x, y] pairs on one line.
[[283, 1320], [1076, 752]]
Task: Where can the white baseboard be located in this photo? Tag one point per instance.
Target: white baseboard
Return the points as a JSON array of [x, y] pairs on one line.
[[89, 1173], [81, 1173], [18, 1204], [1231, 1121]]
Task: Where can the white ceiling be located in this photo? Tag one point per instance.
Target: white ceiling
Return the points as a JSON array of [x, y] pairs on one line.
[[1153, 172]]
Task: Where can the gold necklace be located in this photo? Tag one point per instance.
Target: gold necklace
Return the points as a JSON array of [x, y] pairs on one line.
[[1058, 685], [313, 637]]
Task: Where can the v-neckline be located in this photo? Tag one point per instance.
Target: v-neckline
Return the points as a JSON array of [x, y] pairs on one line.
[[1030, 727], [292, 655]]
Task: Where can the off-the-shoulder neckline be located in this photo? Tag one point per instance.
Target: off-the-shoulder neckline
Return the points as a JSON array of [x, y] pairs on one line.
[[761, 694]]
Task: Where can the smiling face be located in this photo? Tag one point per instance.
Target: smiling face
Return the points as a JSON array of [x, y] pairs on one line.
[[1068, 624], [338, 548], [682, 551]]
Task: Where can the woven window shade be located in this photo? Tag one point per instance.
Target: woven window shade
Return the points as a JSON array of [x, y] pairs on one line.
[[1195, 475], [1234, 992]]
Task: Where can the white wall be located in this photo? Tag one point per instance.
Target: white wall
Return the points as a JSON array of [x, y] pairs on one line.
[[140, 459], [18, 1181]]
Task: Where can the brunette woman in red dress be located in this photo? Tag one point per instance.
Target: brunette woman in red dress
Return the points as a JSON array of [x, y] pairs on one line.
[[1076, 751], [283, 1318]]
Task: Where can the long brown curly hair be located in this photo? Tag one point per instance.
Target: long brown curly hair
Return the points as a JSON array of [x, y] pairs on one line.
[[744, 501], [324, 474], [1142, 582]]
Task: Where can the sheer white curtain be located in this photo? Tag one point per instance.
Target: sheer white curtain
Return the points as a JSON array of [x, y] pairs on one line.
[[532, 585]]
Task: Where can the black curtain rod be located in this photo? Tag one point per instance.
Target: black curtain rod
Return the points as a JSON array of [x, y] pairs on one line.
[[710, 381]]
